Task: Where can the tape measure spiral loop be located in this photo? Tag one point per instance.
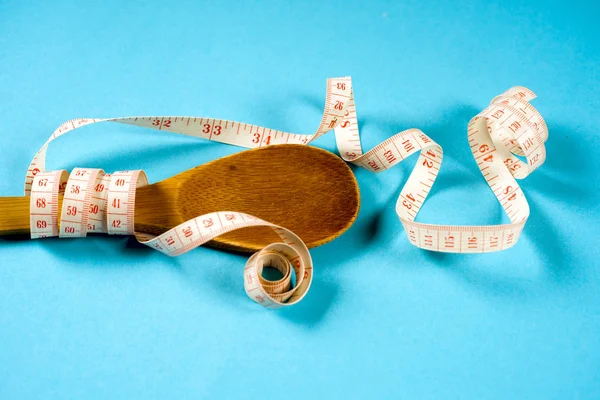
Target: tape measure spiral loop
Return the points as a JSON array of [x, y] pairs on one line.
[[274, 294], [291, 253]]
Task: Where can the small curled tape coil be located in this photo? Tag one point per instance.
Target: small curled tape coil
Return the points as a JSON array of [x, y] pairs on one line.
[[509, 128]]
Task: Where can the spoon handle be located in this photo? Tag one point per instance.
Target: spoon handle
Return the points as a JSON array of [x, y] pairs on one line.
[[14, 215]]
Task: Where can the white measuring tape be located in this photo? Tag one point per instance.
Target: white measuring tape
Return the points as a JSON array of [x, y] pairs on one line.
[[98, 202]]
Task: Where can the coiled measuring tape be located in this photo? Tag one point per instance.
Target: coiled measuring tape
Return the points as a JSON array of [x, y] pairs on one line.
[[509, 128]]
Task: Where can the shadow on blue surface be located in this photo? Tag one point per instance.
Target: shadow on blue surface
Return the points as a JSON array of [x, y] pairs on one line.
[[560, 181]]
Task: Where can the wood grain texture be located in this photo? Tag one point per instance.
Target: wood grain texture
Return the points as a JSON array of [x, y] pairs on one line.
[[306, 189]]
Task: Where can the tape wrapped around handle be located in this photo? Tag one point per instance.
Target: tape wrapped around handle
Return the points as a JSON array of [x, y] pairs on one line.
[[90, 193]]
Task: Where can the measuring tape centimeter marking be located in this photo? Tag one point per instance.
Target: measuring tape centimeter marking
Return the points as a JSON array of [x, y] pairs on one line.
[[43, 207], [116, 202], [121, 201], [76, 202]]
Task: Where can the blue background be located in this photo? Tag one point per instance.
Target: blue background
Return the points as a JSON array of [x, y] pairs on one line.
[[102, 318]]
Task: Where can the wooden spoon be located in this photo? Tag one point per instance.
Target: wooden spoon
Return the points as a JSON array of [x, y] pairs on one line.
[[305, 189]]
